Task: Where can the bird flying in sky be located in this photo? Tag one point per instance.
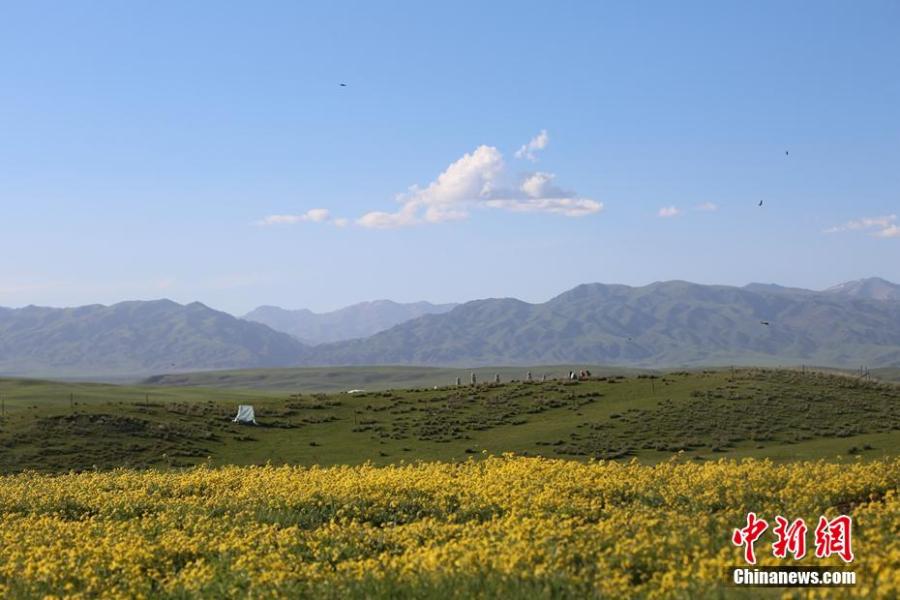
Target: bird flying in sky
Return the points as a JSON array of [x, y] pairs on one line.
[[760, 203]]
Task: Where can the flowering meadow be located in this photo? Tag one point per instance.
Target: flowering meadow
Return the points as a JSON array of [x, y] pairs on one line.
[[505, 526]]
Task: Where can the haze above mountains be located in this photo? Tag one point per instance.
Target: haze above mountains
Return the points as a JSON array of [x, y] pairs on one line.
[[664, 324], [356, 321]]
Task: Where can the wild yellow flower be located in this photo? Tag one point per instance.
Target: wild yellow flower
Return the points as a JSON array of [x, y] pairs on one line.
[[502, 526]]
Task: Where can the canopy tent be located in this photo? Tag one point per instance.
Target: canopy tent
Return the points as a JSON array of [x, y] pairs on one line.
[[245, 414]]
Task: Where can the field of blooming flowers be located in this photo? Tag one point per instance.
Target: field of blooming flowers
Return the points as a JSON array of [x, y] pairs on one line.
[[494, 527]]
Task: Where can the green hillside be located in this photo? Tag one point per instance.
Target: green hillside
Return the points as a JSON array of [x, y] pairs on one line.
[[134, 338], [702, 415], [659, 325]]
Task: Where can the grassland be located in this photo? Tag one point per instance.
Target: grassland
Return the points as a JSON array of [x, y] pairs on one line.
[[785, 415], [886, 374], [373, 379], [403, 493]]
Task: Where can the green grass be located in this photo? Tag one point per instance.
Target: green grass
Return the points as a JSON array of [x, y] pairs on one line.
[[21, 394], [886, 374], [342, 379], [781, 414]]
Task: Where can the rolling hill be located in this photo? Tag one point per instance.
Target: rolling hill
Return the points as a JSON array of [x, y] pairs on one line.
[[783, 415], [134, 338]]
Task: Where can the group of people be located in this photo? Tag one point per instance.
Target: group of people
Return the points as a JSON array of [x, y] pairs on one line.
[[573, 376]]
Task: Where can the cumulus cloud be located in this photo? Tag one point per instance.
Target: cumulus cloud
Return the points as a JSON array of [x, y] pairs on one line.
[[537, 193], [480, 179], [707, 207], [529, 150], [883, 227], [668, 211], [314, 215]]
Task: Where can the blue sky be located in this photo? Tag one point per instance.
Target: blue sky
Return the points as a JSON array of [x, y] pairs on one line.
[[176, 149]]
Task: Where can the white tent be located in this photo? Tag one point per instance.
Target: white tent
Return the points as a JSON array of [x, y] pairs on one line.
[[245, 414]]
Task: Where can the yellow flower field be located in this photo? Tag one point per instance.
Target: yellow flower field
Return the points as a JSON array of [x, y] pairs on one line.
[[499, 527]]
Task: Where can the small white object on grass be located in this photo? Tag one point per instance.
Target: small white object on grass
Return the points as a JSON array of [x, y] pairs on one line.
[[245, 414]]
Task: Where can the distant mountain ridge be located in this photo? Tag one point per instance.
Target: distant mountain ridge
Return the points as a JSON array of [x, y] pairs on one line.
[[664, 324], [135, 337], [355, 321], [873, 288]]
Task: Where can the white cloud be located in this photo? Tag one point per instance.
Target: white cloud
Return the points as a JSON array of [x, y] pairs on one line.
[[888, 232], [668, 211], [317, 215], [529, 150], [707, 207], [480, 179], [314, 215], [541, 195], [385, 220], [477, 180], [884, 226], [446, 198], [539, 185], [569, 207]]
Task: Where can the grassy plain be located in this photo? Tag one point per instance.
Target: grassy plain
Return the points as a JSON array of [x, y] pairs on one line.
[[782, 414], [373, 379]]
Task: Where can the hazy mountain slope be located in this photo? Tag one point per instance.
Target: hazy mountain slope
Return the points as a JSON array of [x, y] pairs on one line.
[[135, 337], [669, 323], [356, 321], [873, 288], [774, 288]]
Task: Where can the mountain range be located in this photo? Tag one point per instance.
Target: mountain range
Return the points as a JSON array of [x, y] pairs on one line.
[[662, 324], [135, 338], [672, 323], [355, 321], [873, 288]]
